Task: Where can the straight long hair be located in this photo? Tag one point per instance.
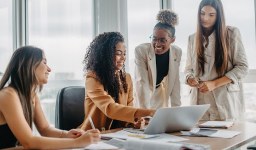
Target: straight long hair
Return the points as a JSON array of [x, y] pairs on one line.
[[20, 72], [221, 40]]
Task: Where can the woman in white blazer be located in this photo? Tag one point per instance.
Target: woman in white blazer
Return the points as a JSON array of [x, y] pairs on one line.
[[157, 66], [216, 64]]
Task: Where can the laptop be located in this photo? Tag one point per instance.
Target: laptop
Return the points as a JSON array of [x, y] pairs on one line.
[[174, 119]]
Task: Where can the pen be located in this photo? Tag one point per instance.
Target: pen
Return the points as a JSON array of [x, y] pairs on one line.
[[137, 136], [90, 119]]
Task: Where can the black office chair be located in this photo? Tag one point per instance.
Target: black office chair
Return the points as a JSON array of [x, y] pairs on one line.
[[69, 112], [253, 147]]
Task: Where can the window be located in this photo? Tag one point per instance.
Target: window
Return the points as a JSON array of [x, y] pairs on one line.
[[186, 26], [63, 28], [6, 41], [140, 25], [243, 18]]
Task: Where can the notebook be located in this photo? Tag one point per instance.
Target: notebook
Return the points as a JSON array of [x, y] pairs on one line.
[[174, 119]]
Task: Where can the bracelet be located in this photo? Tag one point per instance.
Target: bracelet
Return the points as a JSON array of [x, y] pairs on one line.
[[189, 76]]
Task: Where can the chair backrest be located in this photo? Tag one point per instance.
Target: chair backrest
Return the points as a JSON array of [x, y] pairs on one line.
[[69, 112]]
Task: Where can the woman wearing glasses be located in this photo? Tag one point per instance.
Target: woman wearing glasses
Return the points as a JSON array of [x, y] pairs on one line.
[[216, 64], [157, 65]]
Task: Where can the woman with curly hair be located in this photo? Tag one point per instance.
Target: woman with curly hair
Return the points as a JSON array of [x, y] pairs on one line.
[[20, 106], [109, 91], [157, 65], [216, 64]]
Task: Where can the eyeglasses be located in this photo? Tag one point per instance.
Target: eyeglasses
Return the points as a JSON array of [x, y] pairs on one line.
[[159, 40]]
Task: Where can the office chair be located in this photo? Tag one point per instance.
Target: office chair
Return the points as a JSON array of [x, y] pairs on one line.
[[253, 147], [69, 112]]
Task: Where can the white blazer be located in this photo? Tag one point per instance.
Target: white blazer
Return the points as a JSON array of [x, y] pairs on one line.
[[168, 94], [229, 98]]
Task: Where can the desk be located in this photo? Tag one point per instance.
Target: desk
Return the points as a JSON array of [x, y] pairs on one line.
[[248, 134]]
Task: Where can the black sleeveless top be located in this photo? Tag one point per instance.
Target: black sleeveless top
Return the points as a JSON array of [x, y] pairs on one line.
[[162, 66], [7, 139]]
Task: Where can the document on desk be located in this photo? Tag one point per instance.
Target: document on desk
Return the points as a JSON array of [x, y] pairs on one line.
[[100, 145], [216, 124], [144, 144], [210, 133], [125, 134]]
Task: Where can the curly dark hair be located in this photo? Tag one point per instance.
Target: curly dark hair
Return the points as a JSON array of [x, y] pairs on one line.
[[100, 57]]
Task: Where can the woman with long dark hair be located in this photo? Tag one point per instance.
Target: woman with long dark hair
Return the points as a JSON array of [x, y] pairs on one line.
[[109, 91], [20, 106], [216, 64]]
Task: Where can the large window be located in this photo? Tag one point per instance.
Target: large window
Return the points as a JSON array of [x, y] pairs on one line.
[[140, 24], [63, 28], [6, 41]]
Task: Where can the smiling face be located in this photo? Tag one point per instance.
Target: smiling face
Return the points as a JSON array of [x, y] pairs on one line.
[[120, 56], [161, 41], [42, 71], [208, 16]]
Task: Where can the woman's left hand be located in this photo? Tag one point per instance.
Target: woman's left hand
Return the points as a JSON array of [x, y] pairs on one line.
[[206, 86], [74, 133]]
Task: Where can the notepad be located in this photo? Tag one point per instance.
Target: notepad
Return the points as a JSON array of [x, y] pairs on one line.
[[216, 124], [211, 133]]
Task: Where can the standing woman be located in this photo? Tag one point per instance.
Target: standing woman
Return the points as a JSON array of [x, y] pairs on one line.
[[157, 65], [20, 106], [109, 91], [216, 64]]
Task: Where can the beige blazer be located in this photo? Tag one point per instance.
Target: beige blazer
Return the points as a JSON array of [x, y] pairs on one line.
[[101, 106], [145, 78], [229, 98]]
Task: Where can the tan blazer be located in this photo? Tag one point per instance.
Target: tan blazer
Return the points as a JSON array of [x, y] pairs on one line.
[[102, 107], [145, 78], [229, 98]]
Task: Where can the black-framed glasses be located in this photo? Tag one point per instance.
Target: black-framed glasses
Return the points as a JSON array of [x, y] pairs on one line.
[[159, 40]]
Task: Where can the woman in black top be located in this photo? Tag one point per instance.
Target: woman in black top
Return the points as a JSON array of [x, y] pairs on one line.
[[20, 106]]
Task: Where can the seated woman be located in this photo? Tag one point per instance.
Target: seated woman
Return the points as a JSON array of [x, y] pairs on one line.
[[109, 91], [20, 106]]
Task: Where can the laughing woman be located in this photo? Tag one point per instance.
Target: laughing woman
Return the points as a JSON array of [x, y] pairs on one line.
[[20, 106], [109, 92]]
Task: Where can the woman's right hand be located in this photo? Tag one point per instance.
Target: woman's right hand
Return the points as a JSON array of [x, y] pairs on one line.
[[193, 82], [89, 137]]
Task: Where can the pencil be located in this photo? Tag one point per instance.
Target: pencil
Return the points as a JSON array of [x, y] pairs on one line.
[[91, 122]]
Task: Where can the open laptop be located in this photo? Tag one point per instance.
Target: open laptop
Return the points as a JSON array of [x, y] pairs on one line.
[[173, 119]]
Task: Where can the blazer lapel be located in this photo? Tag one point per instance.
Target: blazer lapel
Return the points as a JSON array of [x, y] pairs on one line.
[[172, 69], [152, 66]]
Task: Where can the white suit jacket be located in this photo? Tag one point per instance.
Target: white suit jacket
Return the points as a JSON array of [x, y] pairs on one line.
[[229, 98], [145, 78]]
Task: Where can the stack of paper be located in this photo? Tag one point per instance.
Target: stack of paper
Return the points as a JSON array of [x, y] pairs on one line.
[[129, 134], [216, 124], [210, 133], [132, 144]]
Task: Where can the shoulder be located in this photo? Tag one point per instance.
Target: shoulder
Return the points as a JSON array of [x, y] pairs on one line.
[[8, 95], [191, 36], [92, 80], [143, 47], [233, 31], [176, 48], [91, 74], [128, 77]]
